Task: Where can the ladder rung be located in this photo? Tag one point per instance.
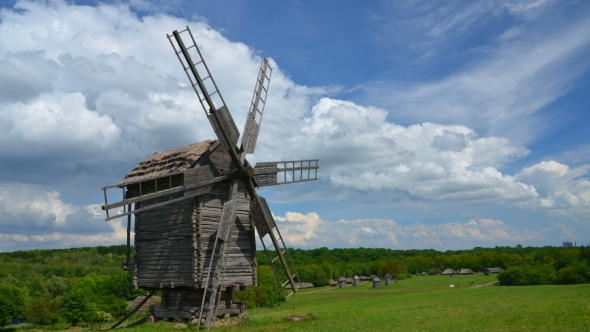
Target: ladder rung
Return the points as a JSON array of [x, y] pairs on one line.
[[179, 32], [282, 252], [197, 63], [213, 93], [191, 46]]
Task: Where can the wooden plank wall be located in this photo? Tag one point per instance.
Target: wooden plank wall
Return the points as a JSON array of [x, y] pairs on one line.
[[163, 246], [241, 263]]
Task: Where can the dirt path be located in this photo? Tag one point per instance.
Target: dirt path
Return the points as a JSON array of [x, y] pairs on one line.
[[488, 284]]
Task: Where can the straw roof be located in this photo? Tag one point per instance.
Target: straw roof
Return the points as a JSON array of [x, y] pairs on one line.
[[465, 271], [357, 278], [448, 271], [146, 305], [169, 161], [332, 282], [376, 279], [341, 279], [388, 276], [493, 270]]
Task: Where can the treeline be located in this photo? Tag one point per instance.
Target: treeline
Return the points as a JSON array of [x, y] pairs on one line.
[[66, 286], [70, 286], [557, 265]]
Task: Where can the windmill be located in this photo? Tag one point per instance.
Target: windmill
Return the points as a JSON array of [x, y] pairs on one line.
[[196, 207]]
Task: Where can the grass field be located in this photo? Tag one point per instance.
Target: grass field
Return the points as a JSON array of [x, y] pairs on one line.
[[420, 304]]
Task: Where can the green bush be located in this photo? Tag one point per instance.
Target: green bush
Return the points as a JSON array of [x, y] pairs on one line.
[[266, 294], [574, 275], [12, 302], [76, 307], [41, 310], [527, 275]]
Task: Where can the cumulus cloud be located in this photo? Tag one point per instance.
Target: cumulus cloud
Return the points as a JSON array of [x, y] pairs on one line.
[[309, 230], [83, 88], [34, 210]]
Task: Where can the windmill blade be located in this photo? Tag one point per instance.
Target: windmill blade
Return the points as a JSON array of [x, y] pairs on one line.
[[265, 225], [274, 173], [254, 118], [204, 85]]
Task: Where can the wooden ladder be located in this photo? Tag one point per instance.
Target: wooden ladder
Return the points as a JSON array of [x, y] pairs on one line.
[[289, 262], [219, 253]]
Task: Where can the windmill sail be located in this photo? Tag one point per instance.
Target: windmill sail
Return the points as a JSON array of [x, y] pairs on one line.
[[254, 118]]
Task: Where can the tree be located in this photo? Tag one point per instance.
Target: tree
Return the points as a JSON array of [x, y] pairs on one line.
[[75, 307], [12, 303], [39, 310]]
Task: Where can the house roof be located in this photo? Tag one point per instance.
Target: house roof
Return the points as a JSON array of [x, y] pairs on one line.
[[449, 271], [349, 280], [169, 161], [494, 269], [388, 276], [465, 271], [376, 279], [357, 278], [341, 279], [146, 305], [332, 282]]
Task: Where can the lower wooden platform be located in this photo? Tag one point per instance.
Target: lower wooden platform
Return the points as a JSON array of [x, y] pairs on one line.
[[186, 305]]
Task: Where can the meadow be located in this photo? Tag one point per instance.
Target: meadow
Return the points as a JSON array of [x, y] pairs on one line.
[[420, 304]]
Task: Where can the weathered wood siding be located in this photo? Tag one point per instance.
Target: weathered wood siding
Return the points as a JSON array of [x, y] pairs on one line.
[[241, 263], [163, 246]]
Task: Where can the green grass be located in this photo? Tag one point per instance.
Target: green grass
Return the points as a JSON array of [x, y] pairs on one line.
[[419, 304]]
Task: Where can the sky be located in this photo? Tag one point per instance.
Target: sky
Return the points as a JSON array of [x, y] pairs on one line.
[[443, 125]]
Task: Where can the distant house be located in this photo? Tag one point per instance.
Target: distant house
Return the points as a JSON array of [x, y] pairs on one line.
[[376, 282], [423, 273], [448, 272], [341, 282], [349, 280], [146, 305], [302, 285], [465, 271], [492, 270], [364, 278], [356, 281], [332, 282], [388, 277]]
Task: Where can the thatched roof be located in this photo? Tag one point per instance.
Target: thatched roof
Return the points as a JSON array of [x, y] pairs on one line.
[[448, 271], [493, 270], [388, 276], [341, 279], [357, 278], [376, 279], [465, 271], [349, 280], [332, 282], [146, 305], [169, 161], [365, 278]]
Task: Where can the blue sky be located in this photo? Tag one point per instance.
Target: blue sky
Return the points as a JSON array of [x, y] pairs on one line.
[[437, 125]]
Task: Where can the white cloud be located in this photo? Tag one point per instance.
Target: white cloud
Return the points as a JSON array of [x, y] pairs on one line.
[[34, 210], [388, 233]]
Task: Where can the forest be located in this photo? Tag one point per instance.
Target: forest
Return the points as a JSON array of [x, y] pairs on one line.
[[75, 286]]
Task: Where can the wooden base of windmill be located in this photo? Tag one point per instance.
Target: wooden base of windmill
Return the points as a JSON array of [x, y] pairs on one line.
[[186, 305]]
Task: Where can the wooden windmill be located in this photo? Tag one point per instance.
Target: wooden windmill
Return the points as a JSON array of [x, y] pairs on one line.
[[196, 207]]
